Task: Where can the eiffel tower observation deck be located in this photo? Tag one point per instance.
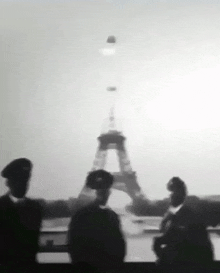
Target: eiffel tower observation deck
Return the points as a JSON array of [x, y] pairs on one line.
[[112, 136]]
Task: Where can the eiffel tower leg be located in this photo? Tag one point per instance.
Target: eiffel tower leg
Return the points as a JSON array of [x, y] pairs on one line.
[[130, 180], [100, 160], [125, 165]]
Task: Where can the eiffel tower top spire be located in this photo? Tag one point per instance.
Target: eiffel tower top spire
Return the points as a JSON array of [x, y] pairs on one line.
[[110, 125], [112, 122]]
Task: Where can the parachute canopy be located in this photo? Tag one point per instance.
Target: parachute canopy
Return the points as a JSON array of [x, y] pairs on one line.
[[109, 46], [111, 39]]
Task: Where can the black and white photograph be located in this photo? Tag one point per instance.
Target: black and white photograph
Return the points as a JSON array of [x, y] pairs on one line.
[[110, 133]]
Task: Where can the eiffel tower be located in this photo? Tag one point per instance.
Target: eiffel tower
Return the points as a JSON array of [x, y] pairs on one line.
[[125, 180]]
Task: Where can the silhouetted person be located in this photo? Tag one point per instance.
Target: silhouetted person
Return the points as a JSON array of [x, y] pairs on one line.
[[95, 234], [184, 238], [20, 217]]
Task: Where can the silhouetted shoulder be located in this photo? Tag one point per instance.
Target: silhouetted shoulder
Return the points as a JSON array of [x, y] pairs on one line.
[[35, 205], [112, 212], [84, 211], [93, 213], [3, 199], [4, 202], [187, 210], [191, 217], [113, 215]]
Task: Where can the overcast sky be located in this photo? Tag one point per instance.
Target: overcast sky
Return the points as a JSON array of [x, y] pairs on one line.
[[54, 99]]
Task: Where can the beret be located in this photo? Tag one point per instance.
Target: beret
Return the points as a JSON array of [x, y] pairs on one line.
[[99, 179], [176, 184], [17, 168]]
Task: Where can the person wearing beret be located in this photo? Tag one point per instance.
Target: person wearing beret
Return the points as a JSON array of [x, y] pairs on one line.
[[20, 217], [95, 235], [184, 238]]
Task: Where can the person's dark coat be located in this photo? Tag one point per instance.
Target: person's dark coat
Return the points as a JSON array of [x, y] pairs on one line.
[[184, 239], [19, 230], [95, 237]]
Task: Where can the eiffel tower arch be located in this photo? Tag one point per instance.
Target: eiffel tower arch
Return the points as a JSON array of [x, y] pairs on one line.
[[125, 180]]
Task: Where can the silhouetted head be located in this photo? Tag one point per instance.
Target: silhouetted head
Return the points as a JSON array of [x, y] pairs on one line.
[[18, 173], [101, 181], [178, 191]]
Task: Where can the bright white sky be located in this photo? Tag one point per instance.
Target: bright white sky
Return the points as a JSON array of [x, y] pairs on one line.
[[54, 99]]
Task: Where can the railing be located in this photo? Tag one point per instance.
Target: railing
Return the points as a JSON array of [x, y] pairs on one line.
[[48, 239], [49, 244], [54, 249]]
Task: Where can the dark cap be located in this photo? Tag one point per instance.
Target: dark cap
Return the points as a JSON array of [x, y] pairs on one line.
[[99, 179], [175, 184], [17, 168]]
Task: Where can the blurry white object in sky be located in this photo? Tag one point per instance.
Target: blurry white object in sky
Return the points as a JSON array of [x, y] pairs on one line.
[[109, 49]]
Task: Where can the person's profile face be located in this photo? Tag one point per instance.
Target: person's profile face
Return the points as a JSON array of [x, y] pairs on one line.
[[103, 195], [177, 198]]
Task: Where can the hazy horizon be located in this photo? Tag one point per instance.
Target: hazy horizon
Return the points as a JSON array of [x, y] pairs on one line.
[[54, 99]]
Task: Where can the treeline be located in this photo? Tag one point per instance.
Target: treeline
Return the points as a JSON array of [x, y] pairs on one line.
[[148, 208], [57, 208], [208, 210], [145, 207]]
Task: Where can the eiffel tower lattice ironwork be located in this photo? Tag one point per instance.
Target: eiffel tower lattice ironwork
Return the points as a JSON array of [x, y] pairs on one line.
[[125, 180]]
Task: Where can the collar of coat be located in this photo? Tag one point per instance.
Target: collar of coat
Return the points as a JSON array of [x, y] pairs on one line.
[[174, 210], [15, 199]]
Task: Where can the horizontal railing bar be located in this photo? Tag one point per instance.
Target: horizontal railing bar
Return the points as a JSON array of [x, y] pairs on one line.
[[53, 249], [64, 231], [64, 248]]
